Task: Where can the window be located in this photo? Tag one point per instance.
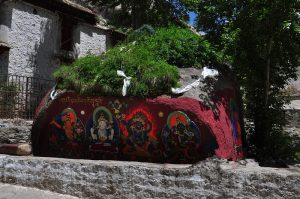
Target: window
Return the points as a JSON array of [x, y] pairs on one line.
[[67, 25]]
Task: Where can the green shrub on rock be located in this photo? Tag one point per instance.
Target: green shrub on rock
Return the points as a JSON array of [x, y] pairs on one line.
[[149, 77], [178, 46], [150, 58]]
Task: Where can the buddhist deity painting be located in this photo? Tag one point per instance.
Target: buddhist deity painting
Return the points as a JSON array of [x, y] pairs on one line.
[[67, 128], [236, 127], [103, 131], [160, 130], [118, 108], [180, 138], [140, 141], [67, 135]]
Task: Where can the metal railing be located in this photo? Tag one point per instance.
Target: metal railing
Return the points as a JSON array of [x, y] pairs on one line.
[[21, 95]]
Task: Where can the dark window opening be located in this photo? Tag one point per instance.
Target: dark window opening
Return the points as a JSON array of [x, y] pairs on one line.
[[67, 26], [3, 47]]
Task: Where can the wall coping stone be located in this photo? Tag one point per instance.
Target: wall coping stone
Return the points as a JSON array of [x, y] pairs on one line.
[[119, 179]]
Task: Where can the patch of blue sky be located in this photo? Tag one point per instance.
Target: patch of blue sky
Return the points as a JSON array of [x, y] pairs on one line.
[[192, 17]]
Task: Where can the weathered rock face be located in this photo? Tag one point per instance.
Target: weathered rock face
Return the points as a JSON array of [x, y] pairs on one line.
[[211, 178], [184, 129], [15, 131]]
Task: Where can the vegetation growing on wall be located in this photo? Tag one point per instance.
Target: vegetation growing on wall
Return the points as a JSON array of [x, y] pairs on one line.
[[150, 57]]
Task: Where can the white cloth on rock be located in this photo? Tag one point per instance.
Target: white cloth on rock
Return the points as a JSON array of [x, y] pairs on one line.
[[126, 81], [205, 73]]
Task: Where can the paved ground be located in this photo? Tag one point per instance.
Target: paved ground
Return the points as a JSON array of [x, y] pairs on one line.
[[8, 191]]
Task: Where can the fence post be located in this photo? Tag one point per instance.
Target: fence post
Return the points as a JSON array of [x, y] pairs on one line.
[[26, 96]]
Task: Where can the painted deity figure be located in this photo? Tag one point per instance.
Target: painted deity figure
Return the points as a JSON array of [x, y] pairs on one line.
[[118, 108], [182, 133], [103, 133], [138, 129], [79, 132], [102, 130], [65, 125], [181, 138], [236, 127], [68, 126], [67, 134], [140, 142]]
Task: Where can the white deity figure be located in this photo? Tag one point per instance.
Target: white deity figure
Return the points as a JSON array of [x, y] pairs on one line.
[[103, 131]]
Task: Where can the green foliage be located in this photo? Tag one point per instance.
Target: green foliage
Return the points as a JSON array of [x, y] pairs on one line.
[[132, 14], [178, 46], [280, 145], [150, 58], [261, 40], [149, 77], [8, 93], [145, 30]]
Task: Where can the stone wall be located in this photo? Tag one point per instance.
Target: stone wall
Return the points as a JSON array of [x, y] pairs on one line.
[[211, 178], [14, 131]]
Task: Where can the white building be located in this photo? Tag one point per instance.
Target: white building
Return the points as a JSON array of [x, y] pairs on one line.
[[36, 36]]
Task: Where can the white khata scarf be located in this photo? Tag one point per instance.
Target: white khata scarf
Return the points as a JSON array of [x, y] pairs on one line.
[[205, 73]]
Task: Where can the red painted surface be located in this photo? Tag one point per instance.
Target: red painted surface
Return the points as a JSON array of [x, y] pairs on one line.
[[15, 149], [10, 149], [139, 126]]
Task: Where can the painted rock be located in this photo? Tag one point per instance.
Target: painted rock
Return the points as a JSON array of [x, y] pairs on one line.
[[182, 129]]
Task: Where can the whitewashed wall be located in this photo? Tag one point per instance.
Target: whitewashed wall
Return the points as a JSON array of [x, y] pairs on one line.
[[33, 34], [33, 39], [89, 40]]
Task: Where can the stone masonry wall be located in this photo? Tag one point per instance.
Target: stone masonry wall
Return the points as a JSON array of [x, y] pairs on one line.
[[15, 131], [211, 178]]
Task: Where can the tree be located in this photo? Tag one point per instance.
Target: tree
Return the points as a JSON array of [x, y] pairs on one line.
[[261, 40], [134, 13]]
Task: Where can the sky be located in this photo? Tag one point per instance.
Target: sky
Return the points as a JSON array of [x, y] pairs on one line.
[[192, 18]]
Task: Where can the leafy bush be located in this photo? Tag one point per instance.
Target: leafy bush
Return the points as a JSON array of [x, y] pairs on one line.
[[150, 58], [280, 145], [178, 46]]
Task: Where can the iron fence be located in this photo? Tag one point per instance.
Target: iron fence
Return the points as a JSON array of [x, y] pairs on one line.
[[21, 95]]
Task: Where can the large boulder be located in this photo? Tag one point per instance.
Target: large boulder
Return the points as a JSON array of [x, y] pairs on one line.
[[202, 122]]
